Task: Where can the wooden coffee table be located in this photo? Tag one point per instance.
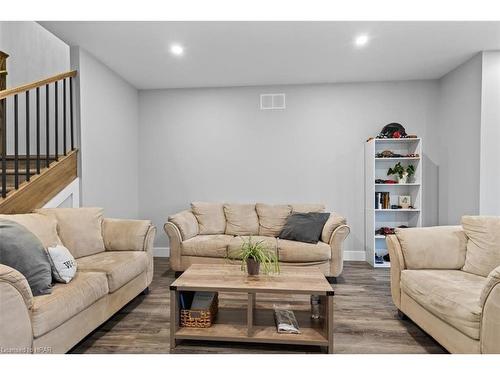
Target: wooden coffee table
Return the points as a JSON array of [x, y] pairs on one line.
[[254, 324]]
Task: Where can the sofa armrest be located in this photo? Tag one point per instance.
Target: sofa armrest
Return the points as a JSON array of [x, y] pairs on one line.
[[490, 326], [175, 241], [397, 265], [126, 235], [186, 223], [441, 247], [336, 244], [333, 222], [16, 299]]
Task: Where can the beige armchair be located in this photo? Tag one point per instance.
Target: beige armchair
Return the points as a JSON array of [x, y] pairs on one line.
[[431, 284]]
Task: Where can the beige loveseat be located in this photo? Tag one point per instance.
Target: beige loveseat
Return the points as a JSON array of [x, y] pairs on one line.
[[209, 232], [114, 260], [447, 280]]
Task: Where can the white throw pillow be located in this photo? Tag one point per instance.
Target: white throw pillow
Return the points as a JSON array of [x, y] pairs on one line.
[[63, 263]]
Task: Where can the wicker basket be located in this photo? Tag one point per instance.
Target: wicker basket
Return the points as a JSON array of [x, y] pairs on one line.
[[200, 318]]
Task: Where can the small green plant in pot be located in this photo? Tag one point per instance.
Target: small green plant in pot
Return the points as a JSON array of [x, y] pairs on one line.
[[256, 255], [403, 173]]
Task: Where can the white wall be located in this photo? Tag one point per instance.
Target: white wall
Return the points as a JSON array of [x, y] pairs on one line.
[[457, 138], [217, 145], [489, 186], [108, 137]]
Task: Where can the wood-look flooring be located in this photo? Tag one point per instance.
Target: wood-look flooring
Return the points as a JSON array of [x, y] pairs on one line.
[[365, 320]]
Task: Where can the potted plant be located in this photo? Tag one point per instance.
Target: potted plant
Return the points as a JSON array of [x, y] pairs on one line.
[[255, 255], [403, 173]]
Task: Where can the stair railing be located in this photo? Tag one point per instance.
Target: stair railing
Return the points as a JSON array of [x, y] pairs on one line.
[[49, 89]]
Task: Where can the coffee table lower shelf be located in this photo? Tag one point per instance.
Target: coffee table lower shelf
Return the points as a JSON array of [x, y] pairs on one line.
[[260, 334]]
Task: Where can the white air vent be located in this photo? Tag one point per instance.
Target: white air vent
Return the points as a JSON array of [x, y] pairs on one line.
[[272, 101]]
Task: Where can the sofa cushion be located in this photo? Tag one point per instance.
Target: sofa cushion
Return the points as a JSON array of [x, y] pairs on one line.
[[121, 234], [272, 218], [242, 219], [80, 229], [206, 245], [120, 267], [210, 217], [307, 207], [187, 224], [451, 295], [441, 247], [45, 228], [483, 247], [67, 300], [235, 244], [298, 252]]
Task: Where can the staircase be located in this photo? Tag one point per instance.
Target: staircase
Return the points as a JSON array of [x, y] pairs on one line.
[[38, 157]]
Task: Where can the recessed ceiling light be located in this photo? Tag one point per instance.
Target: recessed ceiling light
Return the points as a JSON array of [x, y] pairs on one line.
[[361, 40], [177, 50]]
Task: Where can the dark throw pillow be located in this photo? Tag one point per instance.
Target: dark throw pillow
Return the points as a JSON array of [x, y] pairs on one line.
[[304, 227], [23, 251]]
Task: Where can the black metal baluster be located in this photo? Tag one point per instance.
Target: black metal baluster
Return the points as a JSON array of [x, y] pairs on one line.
[[16, 144], [4, 147], [64, 117], [71, 111], [56, 153], [28, 156], [38, 130], [47, 127]]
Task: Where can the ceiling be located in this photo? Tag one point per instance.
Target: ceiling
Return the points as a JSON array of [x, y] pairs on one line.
[[268, 53]]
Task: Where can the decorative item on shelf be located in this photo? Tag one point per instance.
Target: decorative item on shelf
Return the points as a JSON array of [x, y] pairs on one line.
[[379, 259], [255, 255], [198, 309], [393, 130], [386, 258], [403, 173], [390, 154], [380, 181], [396, 207], [405, 201]]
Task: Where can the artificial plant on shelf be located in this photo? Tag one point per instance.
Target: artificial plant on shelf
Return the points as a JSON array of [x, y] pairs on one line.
[[255, 255], [403, 173]]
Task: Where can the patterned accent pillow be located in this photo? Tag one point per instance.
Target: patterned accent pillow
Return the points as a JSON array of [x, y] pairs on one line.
[[63, 264]]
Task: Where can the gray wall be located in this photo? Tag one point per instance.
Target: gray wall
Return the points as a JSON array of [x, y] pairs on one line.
[[490, 135], [458, 141], [34, 54], [108, 137], [217, 145]]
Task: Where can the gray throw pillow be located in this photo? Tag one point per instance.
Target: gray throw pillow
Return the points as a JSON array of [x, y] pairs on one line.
[[304, 227], [23, 251]]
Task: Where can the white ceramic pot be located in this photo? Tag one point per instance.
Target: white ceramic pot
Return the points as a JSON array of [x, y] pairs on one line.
[[404, 179]]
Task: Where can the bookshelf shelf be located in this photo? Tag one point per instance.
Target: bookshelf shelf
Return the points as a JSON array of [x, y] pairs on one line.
[[376, 169]]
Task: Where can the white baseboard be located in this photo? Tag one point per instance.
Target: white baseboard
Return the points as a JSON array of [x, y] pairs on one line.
[[161, 252], [359, 256]]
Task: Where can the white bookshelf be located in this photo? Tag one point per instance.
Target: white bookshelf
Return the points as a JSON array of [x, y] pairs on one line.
[[376, 168]]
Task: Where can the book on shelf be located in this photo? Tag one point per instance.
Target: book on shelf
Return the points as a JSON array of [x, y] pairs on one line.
[[196, 300], [382, 200]]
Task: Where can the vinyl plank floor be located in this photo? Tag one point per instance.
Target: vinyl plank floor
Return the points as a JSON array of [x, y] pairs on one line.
[[365, 320]]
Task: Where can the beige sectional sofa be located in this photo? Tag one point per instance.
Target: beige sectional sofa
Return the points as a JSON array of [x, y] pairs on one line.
[[447, 280], [209, 232], [114, 260]]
